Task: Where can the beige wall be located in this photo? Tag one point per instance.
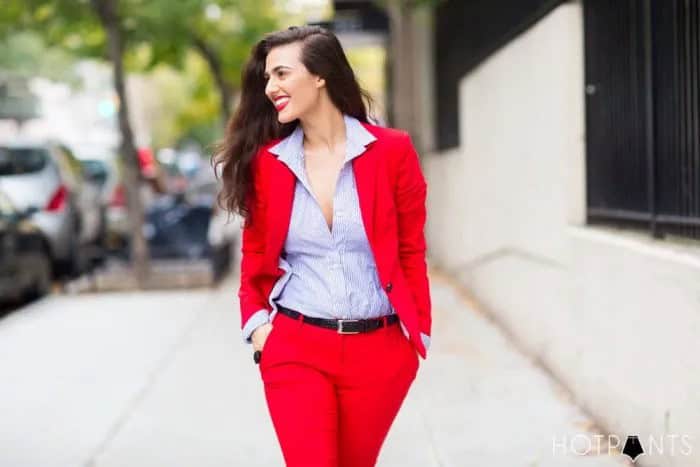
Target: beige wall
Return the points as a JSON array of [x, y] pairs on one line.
[[615, 315]]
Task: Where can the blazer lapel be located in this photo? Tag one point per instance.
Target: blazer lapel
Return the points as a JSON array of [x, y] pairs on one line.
[[364, 168], [281, 195], [279, 210]]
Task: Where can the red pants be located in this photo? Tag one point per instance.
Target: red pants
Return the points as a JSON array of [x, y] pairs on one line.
[[333, 397]]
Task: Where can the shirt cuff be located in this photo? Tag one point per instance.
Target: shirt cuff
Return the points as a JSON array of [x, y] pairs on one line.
[[424, 337], [257, 319], [426, 340]]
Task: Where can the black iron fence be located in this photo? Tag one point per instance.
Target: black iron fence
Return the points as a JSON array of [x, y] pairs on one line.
[[643, 114]]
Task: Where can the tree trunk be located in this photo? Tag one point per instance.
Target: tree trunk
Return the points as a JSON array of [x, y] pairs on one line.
[[402, 66], [404, 85], [217, 71], [108, 14]]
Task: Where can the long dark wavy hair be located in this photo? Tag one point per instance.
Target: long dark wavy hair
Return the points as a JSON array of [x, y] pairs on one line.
[[254, 122]]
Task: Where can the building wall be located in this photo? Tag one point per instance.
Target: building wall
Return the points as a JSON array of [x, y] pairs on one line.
[[615, 315]]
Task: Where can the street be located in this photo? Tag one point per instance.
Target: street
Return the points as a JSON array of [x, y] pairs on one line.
[[149, 379]]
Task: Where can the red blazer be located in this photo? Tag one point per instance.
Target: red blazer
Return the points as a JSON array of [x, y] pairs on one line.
[[392, 193]]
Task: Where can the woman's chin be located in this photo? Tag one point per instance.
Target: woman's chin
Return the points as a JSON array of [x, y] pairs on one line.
[[285, 117]]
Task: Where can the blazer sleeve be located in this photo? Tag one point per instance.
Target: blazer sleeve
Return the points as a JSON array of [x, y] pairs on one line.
[[253, 304], [410, 197]]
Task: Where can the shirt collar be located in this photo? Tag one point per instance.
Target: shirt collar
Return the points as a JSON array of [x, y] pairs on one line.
[[291, 149]]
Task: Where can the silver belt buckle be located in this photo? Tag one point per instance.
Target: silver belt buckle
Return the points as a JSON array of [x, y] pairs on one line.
[[340, 326]]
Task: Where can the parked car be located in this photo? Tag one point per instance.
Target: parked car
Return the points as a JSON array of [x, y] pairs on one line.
[[182, 227], [176, 229], [48, 177], [102, 166], [224, 229], [25, 263], [96, 170]]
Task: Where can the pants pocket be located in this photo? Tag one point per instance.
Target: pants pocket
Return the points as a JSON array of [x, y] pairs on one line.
[[408, 355], [266, 351]]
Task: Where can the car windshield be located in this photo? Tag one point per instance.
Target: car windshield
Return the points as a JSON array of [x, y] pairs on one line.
[[17, 161], [92, 166]]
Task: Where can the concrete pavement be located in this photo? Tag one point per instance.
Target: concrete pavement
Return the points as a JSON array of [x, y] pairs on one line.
[[162, 379]]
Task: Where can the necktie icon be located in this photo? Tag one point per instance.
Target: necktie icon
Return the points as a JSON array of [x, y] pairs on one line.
[[633, 448]]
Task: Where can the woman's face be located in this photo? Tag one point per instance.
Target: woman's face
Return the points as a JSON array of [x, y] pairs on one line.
[[290, 87]]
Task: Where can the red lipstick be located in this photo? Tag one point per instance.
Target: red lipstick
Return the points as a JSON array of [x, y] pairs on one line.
[[283, 101]]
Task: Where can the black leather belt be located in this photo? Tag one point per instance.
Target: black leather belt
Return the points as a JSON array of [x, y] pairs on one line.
[[343, 326]]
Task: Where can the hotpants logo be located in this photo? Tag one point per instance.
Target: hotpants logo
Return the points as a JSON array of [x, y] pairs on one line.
[[585, 444]]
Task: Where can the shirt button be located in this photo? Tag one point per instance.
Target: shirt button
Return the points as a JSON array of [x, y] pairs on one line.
[[389, 286]]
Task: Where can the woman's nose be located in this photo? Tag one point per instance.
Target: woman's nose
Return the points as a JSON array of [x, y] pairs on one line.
[[270, 87]]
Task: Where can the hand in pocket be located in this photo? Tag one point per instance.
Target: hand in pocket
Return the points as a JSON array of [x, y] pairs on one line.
[[260, 335]]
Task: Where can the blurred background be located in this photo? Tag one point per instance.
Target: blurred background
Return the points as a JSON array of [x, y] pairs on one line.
[[561, 145]]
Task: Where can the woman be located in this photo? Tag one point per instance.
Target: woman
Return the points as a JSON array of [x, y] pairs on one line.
[[334, 292]]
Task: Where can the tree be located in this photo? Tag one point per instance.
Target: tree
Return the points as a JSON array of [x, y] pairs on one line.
[[404, 87], [220, 31], [25, 54], [111, 22], [90, 30]]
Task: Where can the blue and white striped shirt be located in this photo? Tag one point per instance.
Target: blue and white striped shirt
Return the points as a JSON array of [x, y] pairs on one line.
[[328, 273]]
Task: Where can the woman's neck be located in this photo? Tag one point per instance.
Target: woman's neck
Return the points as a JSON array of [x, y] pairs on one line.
[[324, 129]]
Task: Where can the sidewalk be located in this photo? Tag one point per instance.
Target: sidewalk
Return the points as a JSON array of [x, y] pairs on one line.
[[162, 379], [478, 401]]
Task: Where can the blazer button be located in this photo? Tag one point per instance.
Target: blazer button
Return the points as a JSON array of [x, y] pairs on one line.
[[389, 287]]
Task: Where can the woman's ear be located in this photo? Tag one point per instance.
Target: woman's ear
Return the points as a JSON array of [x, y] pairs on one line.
[[320, 82]]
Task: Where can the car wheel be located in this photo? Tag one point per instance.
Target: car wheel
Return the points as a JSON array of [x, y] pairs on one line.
[[101, 240], [74, 265], [43, 280], [100, 245], [78, 261]]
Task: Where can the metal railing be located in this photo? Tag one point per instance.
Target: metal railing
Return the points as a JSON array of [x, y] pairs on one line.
[[642, 63]]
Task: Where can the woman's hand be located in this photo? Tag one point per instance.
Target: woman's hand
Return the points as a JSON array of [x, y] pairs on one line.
[[259, 336]]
